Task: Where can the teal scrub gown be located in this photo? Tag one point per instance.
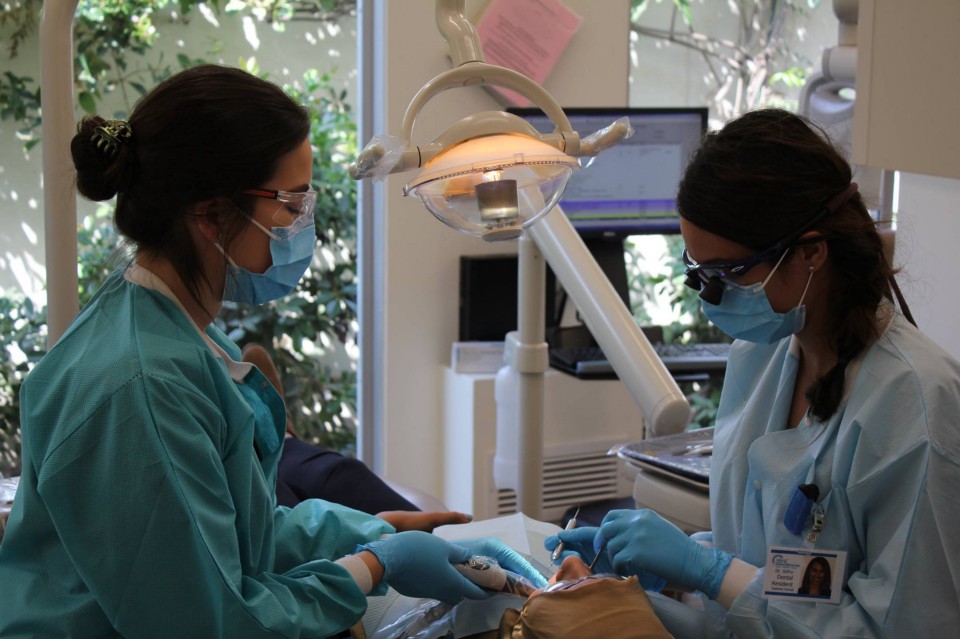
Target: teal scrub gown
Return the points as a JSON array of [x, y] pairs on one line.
[[146, 506]]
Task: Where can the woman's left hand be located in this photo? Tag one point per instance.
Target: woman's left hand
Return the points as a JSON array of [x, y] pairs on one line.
[[404, 520]]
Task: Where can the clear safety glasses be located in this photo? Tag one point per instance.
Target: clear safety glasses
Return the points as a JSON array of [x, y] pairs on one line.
[[295, 209]]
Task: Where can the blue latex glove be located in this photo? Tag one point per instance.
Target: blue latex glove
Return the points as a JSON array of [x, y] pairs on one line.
[[579, 542], [418, 564], [505, 556], [583, 542], [640, 541]]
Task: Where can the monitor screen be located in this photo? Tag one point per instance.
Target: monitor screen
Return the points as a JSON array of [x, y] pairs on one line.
[[631, 188]]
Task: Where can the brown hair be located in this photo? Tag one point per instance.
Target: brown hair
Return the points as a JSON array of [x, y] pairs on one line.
[[761, 178], [205, 133]]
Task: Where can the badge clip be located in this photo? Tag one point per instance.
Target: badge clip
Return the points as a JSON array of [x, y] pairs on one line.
[[802, 502]]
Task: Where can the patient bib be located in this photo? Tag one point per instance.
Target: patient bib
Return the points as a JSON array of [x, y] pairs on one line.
[[611, 608]]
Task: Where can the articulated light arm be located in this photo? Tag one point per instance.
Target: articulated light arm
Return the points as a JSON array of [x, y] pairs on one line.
[[458, 32], [613, 326]]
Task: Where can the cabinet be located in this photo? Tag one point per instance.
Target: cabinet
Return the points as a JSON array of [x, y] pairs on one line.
[[905, 117]]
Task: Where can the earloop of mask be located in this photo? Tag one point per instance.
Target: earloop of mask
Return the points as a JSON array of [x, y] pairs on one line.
[[269, 233], [224, 253], [807, 287]]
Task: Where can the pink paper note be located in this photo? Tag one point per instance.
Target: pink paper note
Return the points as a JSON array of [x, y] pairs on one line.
[[527, 36]]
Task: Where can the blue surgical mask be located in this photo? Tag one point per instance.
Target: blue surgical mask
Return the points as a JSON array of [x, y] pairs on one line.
[[744, 312], [291, 249]]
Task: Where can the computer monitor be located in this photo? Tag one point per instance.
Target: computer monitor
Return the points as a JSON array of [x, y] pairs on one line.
[[631, 188]]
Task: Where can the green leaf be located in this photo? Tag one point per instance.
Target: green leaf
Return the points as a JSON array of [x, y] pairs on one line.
[[87, 102], [637, 8]]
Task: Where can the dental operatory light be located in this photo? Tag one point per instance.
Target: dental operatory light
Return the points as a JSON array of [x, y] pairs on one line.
[[491, 174], [480, 185]]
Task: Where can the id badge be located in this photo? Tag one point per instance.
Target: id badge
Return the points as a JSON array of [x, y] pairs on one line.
[[804, 574]]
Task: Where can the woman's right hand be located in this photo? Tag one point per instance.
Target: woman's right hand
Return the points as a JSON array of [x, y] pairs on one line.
[[579, 542], [589, 544], [418, 564]]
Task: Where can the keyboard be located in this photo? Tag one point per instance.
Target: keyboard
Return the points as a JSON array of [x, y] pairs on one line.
[[590, 361]]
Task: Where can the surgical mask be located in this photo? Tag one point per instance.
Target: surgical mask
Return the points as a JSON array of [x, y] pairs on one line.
[[291, 248], [744, 312]]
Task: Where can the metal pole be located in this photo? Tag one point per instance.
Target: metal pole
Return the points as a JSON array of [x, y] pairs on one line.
[[531, 362]]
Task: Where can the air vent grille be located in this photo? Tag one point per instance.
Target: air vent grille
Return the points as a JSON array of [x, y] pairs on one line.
[[570, 481]]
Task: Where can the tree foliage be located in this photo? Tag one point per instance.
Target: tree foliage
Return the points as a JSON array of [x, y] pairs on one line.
[[748, 70], [112, 38]]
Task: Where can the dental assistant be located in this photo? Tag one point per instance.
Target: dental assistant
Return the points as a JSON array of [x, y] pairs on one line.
[[838, 430], [146, 507]]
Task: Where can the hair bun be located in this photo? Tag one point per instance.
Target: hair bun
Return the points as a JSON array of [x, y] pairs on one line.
[[100, 151]]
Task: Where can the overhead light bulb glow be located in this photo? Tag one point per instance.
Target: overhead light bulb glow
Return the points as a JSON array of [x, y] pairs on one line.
[[478, 186]]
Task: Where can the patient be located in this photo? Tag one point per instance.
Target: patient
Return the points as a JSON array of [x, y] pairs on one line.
[[575, 603], [579, 604]]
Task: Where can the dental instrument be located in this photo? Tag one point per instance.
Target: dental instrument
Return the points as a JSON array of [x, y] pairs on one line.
[[570, 526], [600, 550]]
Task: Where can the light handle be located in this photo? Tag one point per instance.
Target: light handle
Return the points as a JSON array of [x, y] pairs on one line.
[[480, 74]]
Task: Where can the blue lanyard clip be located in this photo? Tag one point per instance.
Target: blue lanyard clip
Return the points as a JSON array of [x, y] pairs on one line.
[[801, 504]]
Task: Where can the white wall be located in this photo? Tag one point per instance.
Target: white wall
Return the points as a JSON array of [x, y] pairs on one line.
[[21, 194], [285, 56], [420, 256], [928, 226]]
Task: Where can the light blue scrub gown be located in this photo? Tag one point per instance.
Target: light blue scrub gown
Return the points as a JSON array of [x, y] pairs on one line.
[[888, 468], [144, 508]]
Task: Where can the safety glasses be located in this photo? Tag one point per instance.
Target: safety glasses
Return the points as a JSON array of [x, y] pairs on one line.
[[725, 270], [295, 209], [709, 278]]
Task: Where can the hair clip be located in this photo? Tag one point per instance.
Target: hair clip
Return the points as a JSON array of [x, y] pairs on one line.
[[108, 137]]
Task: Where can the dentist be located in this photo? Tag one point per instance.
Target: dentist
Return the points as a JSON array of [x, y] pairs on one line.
[[146, 507], [838, 430]]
